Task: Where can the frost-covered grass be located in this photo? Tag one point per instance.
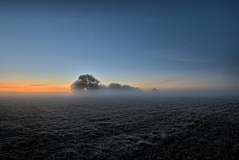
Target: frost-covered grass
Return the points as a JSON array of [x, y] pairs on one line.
[[119, 128]]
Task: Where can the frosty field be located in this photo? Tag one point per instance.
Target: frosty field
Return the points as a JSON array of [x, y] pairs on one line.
[[113, 127]]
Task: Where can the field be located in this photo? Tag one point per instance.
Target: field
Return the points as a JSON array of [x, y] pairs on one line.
[[136, 127]]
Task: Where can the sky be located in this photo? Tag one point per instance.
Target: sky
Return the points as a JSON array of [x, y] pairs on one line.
[[166, 44]]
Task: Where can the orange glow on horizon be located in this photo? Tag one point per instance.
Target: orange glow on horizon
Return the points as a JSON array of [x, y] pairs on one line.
[[65, 88], [41, 88]]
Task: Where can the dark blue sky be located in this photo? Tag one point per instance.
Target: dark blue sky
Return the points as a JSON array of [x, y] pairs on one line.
[[171, 45]]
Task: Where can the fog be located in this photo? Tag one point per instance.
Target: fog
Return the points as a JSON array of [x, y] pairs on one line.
[[123, 93]]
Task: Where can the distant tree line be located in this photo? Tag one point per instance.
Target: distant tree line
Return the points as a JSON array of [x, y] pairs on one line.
[[118, 86], [89, 82]]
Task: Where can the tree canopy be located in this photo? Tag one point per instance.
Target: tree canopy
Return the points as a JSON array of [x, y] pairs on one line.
[[85, 82], [115, 86]]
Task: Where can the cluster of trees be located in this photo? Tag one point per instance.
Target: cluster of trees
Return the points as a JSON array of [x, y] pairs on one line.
[[122, 87], [89, 82]]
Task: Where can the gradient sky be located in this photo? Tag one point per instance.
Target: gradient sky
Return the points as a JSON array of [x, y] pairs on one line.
[[170, 45]]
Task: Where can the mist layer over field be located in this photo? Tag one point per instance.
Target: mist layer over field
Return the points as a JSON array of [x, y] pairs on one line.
[[119, 127]]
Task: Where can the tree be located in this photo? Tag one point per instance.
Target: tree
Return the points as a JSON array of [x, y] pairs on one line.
[[127, 87], [115, 86], [102, 86], [85, 82], [155, 90]]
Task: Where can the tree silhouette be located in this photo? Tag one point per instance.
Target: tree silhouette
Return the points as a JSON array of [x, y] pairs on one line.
[[127, 87], [115, 86], [85, 82], [155, 90]]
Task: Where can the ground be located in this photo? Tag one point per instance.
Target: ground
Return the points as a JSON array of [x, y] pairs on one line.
[[135, 127]]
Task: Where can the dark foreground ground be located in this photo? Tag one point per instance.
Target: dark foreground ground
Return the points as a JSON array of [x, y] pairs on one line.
[[119, 128]]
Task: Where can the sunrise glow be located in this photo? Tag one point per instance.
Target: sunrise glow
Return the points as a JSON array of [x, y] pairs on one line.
[[17, 88], [45, 47]]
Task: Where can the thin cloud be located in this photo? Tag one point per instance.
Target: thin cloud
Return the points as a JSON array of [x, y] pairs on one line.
[[197, 79], [188, 59], [9, 86], [40, 85], [180, 57], [181, 54], [165, 81]]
